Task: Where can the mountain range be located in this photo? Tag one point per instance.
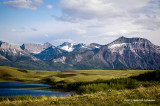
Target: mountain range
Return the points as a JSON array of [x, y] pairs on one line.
[[123, 53]]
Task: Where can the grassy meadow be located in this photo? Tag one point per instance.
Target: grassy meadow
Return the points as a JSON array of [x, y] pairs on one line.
[[21, 75], [91, 87]]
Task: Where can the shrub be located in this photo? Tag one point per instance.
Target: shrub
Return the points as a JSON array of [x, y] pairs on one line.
[[147, 79]]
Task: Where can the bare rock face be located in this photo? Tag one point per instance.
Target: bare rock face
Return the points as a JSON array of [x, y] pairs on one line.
[[123, 53], [13, 52], [49, 53], [78, 58], [35, 48], [13, 55], [60, 60], [7, 46], [131, 53]]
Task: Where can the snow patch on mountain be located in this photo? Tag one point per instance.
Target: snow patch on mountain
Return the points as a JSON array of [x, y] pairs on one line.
[[70, 47], [97, 46], [117, 45], [67, 48]]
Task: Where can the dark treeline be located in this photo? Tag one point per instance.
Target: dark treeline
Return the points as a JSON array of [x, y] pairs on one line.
[[149, 76], [146, 79]]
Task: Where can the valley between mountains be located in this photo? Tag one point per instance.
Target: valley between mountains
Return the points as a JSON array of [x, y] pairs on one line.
[[123, 53]]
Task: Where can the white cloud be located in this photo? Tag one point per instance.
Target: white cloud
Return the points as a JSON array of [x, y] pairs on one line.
[[49, 7], [34, 29], [23, 4], [149, 23], [79, 30], [60, 41], [100, 21], [17, 30], [13, 30], [46, 35], [123, 31], [110, 12], [89, 9]]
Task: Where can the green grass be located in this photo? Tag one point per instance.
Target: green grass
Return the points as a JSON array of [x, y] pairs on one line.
[[16, 98], [105, 98], [15, 74], [97, 87], [146, 79]]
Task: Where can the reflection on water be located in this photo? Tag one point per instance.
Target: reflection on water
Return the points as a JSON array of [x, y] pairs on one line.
[[15, 88]]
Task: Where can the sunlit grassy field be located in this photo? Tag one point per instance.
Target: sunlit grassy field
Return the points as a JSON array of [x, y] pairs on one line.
[[107, 98], [92, 87], [15, 74]]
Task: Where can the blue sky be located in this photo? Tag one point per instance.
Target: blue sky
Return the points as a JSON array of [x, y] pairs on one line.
[[78, 21]]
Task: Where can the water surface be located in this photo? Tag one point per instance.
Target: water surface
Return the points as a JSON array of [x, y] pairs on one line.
[[16, 88]]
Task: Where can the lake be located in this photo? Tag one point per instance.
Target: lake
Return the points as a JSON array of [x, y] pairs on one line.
[[16, 88]]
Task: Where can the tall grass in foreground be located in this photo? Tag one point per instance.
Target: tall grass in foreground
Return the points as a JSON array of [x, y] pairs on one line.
[[16, 98], [107, 98]]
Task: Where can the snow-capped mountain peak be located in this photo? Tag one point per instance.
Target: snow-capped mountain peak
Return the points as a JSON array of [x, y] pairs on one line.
[[76, 47], [67, 46]]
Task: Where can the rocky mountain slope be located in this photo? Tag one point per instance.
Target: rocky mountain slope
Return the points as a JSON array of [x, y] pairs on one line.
[[50, 53], [130, 53], [35, 48], [71, 47], [123, 53], [13, 55], [135, 53]]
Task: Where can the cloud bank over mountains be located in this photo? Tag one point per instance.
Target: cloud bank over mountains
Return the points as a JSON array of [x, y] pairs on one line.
[[143, 12], [92, 20]]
